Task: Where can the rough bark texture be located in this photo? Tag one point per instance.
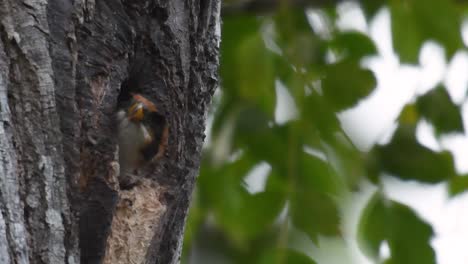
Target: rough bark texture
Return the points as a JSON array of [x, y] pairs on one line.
[[64, 67]]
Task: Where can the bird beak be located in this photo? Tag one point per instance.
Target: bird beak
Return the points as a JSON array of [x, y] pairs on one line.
[[135, 113]]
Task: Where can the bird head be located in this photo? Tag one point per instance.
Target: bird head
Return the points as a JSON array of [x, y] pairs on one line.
[[140, 108]]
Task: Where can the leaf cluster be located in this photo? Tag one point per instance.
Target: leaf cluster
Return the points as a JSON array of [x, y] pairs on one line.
[[311, 163]]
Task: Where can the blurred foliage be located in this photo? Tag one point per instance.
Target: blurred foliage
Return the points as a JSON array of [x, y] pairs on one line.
[[437, 107], [309, 163], [415, 21], [408, 237]]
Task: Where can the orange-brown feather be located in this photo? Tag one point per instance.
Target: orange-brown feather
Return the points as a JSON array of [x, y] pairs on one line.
[[147, 103]]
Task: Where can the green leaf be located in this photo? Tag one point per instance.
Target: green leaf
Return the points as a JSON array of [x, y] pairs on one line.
[[235, 31], [409, 116], [247, 66], [370, 7], [277, 181], [437, 107], [407, 235], [353, 45], [405, 158], [259, 211], [224, 114], [318, 115], [458, 185], [416, 21], [225, 181], [345, 84], [294, 35], [257, 136], [313, 208], [255, 73], [283, 256], [288, 23], [284, 70], [372, 226], [317, 175], [349, 162], [242, 215], [315, 214]]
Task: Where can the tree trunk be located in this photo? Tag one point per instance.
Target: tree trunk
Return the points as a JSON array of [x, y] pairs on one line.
[[64, 66]]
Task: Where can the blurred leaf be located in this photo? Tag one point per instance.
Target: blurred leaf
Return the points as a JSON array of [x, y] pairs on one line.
[[370, 7], [277, 181], [239, 226], [405, 248], [288, 23], [194, 220], [257, 135], [300, 46], [345, 84], [318, 114], [255, 73], [372, 167], [317, 175], [405, 158], [246, 65], [406, 234], [252, 121], [306, 50], [259, 211], [348, 159], [225, 181], [315, 214], [283, 69], [235, 31], [353, 45], [409, 116], [313, 209], [238, 28], [458, 185], [225, 112], [416, 21], [372, 226], [437, 107], [281, 256], [242, 215]]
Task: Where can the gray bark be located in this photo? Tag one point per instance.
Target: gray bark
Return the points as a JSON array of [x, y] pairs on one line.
[[64, 67]]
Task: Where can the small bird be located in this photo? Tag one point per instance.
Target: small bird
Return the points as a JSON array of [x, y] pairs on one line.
[[143, 136]]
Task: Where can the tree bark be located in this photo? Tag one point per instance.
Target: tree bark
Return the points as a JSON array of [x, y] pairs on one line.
[[64, 67]]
